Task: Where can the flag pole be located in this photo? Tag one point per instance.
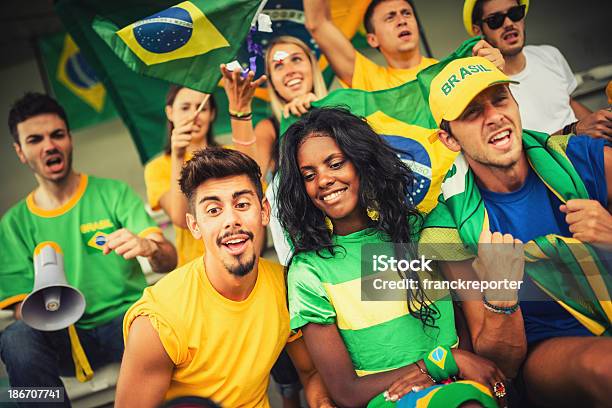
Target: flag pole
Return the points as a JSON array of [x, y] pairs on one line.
[[206, 97]]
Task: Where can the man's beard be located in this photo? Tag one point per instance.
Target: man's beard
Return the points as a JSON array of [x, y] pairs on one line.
[[488, 163], [241, 268]]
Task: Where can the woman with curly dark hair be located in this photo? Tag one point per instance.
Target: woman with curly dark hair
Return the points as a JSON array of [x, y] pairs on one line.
[[342, 190]]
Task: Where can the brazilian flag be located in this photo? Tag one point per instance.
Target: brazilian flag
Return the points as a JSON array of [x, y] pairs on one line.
[[182, 43], [74, 82], [402, 117], [139, 99]]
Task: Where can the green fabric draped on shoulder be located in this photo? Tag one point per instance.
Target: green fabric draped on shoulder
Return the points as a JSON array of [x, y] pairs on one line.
[[579, 282]]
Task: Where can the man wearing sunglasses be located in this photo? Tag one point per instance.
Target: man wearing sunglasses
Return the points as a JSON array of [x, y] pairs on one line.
[[546, 80]]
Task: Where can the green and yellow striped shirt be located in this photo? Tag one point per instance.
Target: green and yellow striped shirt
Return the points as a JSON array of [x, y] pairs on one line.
[[379, 335]]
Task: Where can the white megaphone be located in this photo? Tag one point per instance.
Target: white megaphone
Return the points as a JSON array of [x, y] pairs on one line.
[[53, 304]]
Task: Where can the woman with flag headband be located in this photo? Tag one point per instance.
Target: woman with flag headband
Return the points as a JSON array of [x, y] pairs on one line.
[[295, 81], [342, 188]]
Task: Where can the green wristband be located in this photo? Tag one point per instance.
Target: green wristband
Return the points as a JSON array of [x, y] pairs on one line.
[[441, 364]]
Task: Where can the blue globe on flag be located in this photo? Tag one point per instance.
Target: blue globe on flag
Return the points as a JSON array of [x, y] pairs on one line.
[[100, 240], [165, 31], [414, 155], [80, 72]]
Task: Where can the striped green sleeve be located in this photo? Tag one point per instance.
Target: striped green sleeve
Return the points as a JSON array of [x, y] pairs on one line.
[[308, 300]]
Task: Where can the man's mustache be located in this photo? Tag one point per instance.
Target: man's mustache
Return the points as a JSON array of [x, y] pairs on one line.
[[230, 233]]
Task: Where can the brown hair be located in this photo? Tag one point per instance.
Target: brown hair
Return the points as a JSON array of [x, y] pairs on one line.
[[30, 105], [217, 162]]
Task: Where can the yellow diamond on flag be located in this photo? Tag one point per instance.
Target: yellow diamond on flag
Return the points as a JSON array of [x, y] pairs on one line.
[[74, 73], [98, 240], [438, 357], [181, 31]]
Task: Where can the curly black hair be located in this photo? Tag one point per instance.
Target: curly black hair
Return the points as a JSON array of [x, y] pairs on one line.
[[385, 183]]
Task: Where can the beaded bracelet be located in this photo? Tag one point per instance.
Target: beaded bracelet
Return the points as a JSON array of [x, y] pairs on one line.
[[507, 310], [425, 372], [239, 114], [245, 118]]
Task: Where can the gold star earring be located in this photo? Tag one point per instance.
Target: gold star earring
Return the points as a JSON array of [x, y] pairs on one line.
[[373, 214], [329, 225]]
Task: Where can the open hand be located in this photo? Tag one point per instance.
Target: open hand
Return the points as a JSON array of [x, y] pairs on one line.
[[240, 90]]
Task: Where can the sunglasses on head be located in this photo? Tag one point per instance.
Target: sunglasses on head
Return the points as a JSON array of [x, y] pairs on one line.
[[496, 20]]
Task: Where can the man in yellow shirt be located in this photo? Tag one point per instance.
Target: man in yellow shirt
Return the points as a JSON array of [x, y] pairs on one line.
[[214, 327], [392, 28]]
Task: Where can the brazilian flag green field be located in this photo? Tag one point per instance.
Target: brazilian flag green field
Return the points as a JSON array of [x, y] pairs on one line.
[[182, 42]]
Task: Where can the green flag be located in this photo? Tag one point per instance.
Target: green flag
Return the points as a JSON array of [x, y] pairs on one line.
[[74, 83], [138, 99], [402, 117], [569, 271], [182, 43]]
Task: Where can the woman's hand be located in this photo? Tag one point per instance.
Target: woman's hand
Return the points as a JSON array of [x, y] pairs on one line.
[[475, 368], [181, 136], [414, 381], [299, 105], [240, 90]]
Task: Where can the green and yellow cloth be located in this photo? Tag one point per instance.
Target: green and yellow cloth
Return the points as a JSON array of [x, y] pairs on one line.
[[579, 281]]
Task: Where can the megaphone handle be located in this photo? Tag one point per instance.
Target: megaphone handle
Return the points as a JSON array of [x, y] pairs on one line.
[[81, 363]]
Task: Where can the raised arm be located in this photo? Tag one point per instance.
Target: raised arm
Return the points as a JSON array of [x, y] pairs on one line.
[[146, 369], [337, 48], [173, 202], [240, 93]]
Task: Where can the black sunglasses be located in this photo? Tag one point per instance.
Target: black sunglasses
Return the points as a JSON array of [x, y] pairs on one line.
[[496, 20]]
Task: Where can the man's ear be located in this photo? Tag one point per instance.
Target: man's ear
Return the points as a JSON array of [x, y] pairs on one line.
[[19, 152], [372, 40], [265, 212], [448, 140], [192, 224], [476, 29]]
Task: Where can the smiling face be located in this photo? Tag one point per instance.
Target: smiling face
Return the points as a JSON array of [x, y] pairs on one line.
[[45, 146], [395, 28], [510, 37], [184, 106], [229, 219], [290, 71], [331, 182], [489, 130]]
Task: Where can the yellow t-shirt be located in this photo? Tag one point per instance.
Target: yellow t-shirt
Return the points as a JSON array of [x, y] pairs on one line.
[[369, 76], [157, 180], [222, 349]]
